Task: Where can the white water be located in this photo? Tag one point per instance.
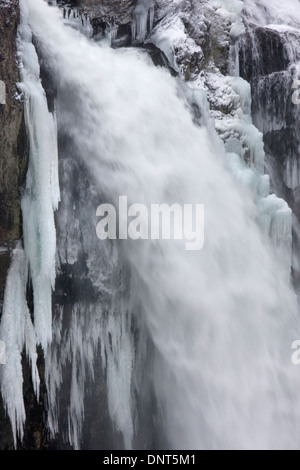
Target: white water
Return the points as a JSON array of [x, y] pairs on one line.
[[273, 12], [222, 320]]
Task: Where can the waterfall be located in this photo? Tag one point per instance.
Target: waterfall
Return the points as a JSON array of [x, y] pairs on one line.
[[189, 349]]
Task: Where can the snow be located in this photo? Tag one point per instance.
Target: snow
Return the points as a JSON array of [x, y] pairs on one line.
[[231, 11], [171, 36], [282, 28]]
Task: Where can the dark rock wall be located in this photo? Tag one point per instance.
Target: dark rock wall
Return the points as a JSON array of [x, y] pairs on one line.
[[267, 62], [13, 160], [13, 141]]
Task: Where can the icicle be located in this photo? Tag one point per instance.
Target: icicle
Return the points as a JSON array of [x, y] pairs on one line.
[[40, 199], [119, 365], [133, 29], [152, 11], [41, 195], [234, 65], [78, 20], [292, 173], [143, 12], [18, 333], [275, 219], [113, 33]]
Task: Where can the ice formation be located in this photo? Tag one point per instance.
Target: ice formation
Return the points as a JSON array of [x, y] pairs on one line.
[[208, 332], [19, 335], [39, 201], [143, 20]]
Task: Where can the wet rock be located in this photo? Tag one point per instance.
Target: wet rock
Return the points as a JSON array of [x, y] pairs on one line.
[[13, 141], [263, 52]]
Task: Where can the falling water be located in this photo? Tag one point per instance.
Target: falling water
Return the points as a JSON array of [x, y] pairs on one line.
[[208, 333]]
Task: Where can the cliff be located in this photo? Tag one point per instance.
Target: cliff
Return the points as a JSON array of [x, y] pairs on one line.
[[13, 158], [13, 142]]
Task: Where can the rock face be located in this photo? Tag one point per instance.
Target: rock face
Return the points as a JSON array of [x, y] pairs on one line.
[[268, 61], [107, 15], [13, 159], [13, 142]]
